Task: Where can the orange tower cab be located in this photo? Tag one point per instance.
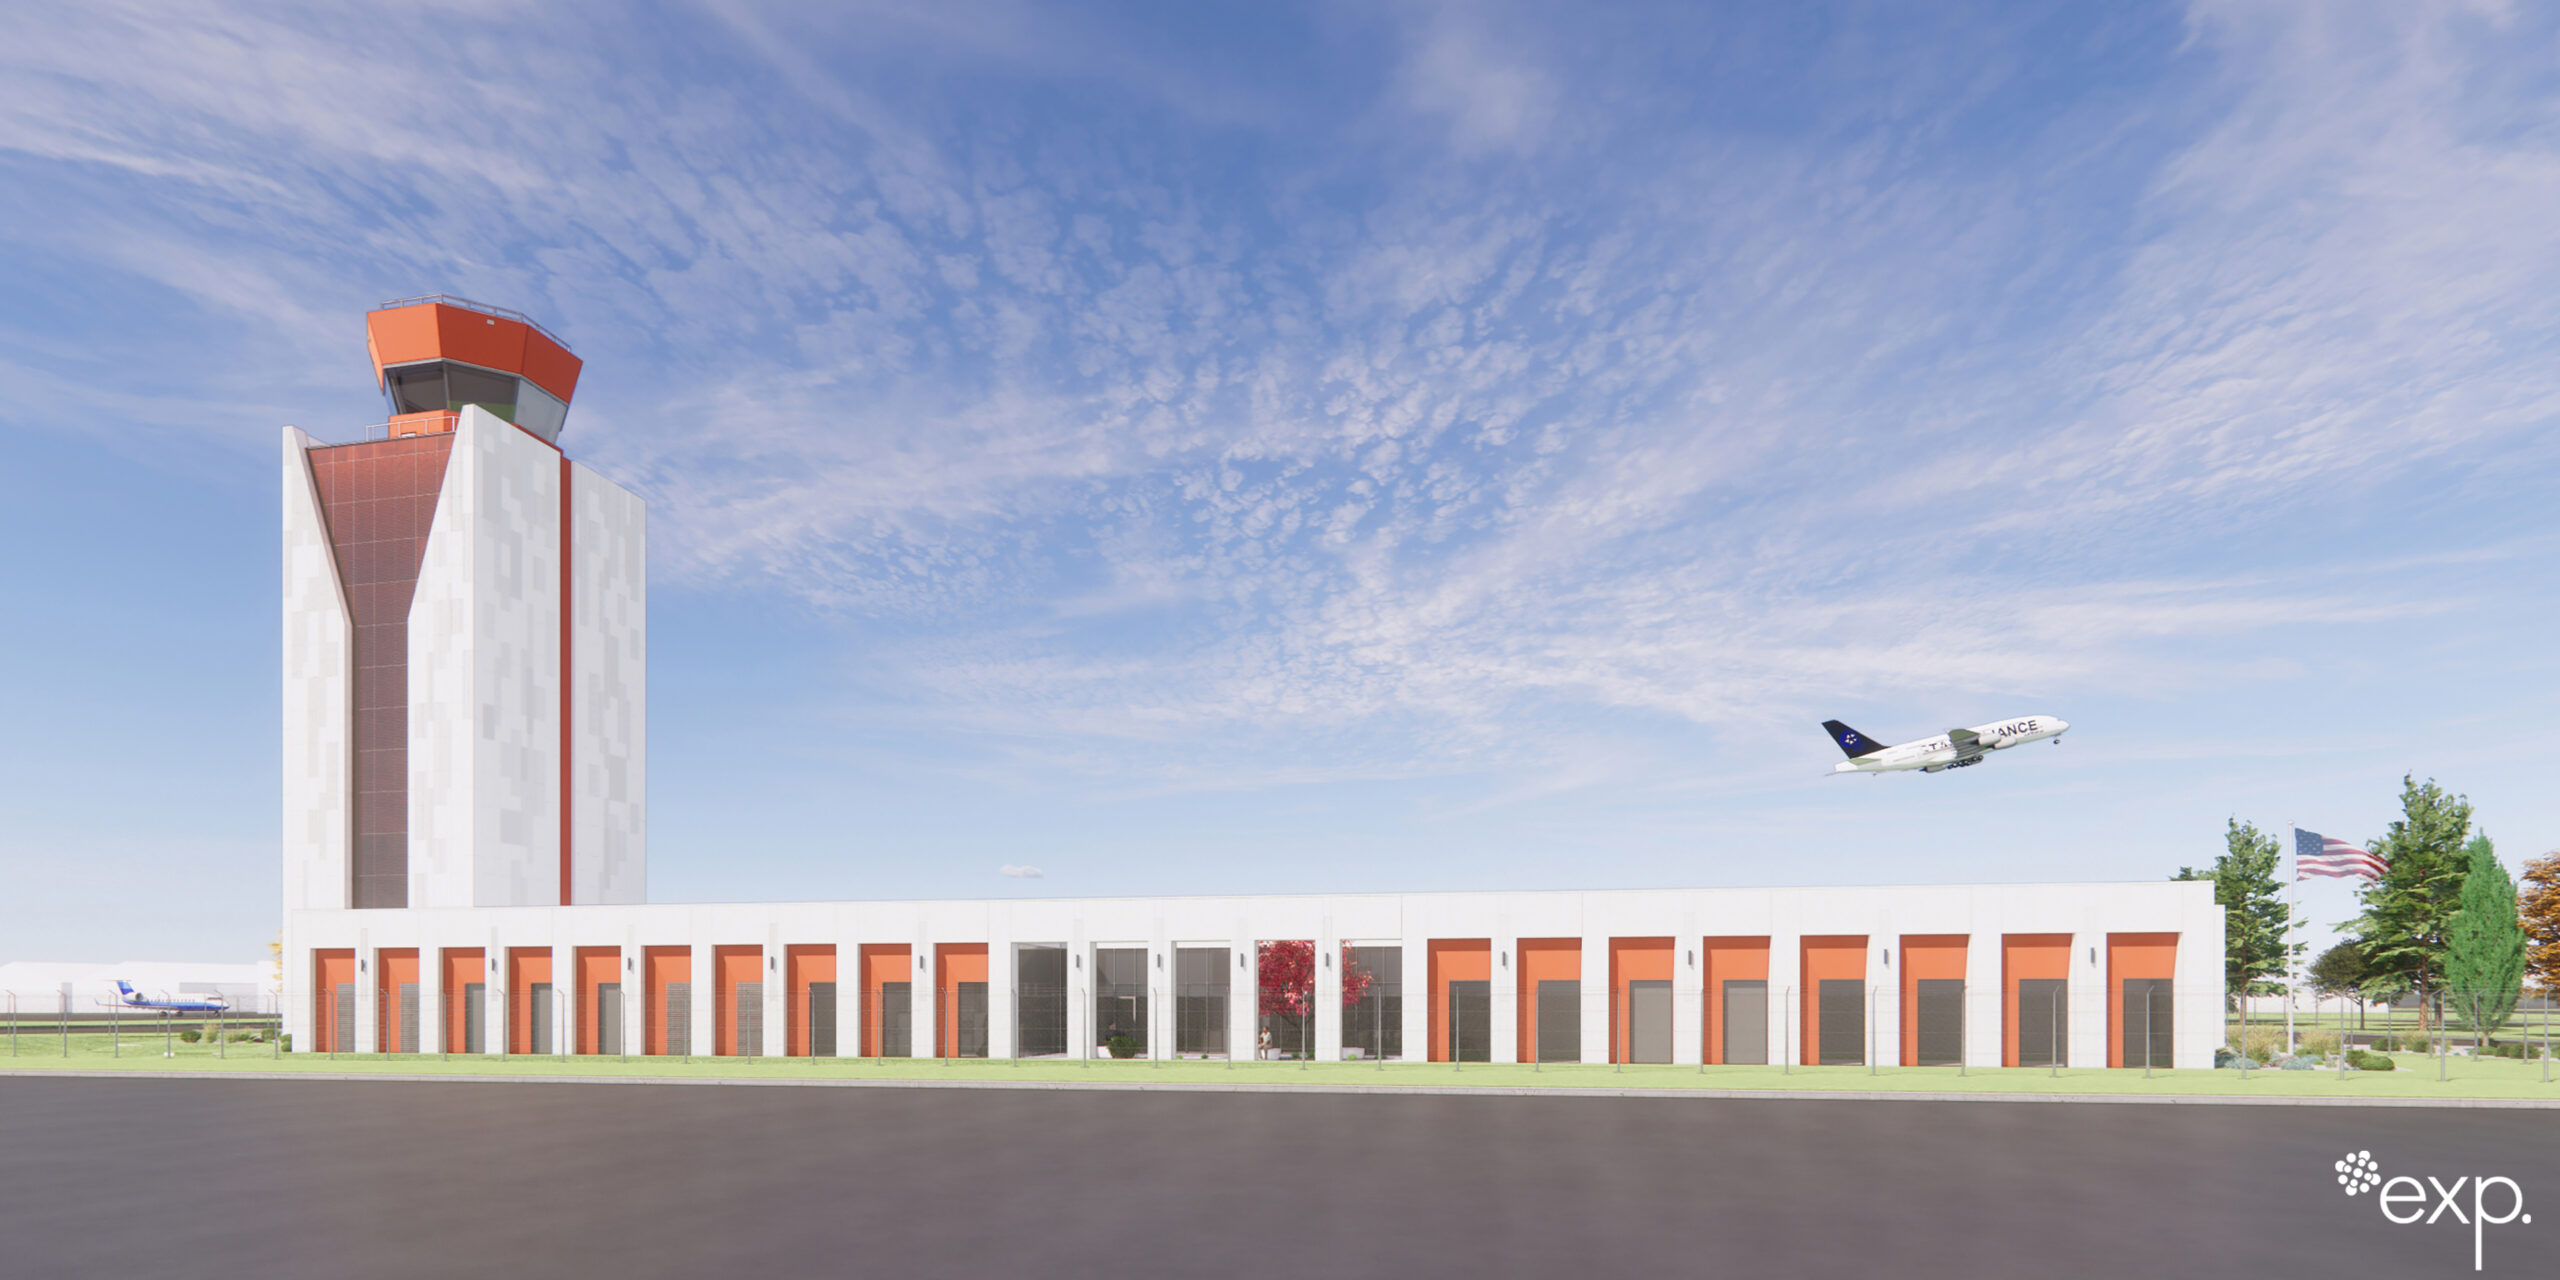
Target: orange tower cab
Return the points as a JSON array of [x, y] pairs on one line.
[[436, 354]]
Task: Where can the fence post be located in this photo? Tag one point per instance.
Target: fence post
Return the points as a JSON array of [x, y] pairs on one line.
[[115, 1033], [2146, 1031], [1787, 1046], [1871, 1029], [2053, 1033]]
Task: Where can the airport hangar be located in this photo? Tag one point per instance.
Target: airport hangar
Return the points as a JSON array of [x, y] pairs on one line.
[[465, 847]]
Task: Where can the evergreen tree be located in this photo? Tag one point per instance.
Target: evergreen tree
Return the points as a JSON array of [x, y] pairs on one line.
[[2484, 945], [2255, 920], [2409, 911]]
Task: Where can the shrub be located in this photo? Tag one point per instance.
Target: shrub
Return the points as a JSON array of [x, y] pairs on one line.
[[2263, 1043], [2320, 1042], [2363, 1061], [1122, 1046], [190, 1036]]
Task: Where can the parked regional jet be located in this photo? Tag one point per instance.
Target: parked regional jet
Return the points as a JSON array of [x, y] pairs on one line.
[[1953, 749], [198, 1004]]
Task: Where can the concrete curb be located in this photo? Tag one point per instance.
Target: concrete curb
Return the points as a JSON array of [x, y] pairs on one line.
[[1449, 1091]]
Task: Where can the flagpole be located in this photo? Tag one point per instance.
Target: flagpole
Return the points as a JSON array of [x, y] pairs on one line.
[[2292, 892]]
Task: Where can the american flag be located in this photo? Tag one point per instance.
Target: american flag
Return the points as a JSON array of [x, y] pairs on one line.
[[2318, 855]]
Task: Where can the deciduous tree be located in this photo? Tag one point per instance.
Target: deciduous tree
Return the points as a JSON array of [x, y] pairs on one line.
[[2539, 907]]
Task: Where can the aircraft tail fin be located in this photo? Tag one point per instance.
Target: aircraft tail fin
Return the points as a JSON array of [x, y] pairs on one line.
[[1851, 741]]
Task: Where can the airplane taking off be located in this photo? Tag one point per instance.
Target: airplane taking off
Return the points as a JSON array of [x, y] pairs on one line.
[[201, 1004], [1954, 749]]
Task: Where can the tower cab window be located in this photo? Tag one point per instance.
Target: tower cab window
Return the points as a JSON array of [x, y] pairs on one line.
[[442, 386]]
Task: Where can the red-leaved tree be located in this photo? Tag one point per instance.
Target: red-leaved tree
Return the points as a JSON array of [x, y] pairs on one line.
[[1288, 976]]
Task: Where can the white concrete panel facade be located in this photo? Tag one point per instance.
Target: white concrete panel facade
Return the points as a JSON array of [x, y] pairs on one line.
[[609, 692], [484, 677], [2090, 913], [319, 648]]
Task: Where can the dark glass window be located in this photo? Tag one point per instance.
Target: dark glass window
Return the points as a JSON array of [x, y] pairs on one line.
[[416, 388], [440, 386], [495, 392]]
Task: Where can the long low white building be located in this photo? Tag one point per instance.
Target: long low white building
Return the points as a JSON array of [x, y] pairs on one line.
[[2089, 974], [465, 847]]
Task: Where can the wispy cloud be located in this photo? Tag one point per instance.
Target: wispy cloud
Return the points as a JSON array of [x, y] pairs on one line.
[[1212, 426]]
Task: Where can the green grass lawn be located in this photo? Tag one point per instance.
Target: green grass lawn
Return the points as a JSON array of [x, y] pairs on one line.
[[2416, 1078]]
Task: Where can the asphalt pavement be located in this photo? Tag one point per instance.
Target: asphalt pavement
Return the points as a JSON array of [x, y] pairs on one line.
[[316, 1178]]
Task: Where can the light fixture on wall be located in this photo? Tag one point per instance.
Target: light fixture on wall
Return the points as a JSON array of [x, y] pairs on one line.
[[2093, 955], [1328, 959], [1504, 957], [626, 964], [768, 964], [1888, 957]]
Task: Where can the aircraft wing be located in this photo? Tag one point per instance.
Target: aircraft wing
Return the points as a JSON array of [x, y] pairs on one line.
[[1967, 743]]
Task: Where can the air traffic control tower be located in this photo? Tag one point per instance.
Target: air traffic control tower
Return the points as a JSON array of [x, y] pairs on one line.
[[465, 636]]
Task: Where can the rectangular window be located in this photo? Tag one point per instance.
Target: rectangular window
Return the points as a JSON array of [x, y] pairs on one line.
[[749, 1016], [1470, 1020], [2044, 1022], [1560, 1020], [1120, 1000], [822, 1019], [609, 1018], [408, 1019], [1843, 1038], [969, 1039], [1373, 1002], [1039, 1001], [465, 386], [1649, 1020], [677, 1018], [475, 1017], [896, 1005], [1200, 984], [539, 1010], [1746, 1021], [1940, 1022], [2149, 1017]]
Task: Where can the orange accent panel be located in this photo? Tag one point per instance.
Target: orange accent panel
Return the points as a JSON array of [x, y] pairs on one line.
[[1735, 958], [732, 965], [1930, 956], [1541, 960], [882, 963], [660, 966], [2133, 955], [462, 967], [1453, 960], [954, 963], [596, 967], [492, 342], [432, 422], [330, 969], [525, 967], [1632, 960], [549, 365], [401, 335], [568, 686], [803, 966], [391, 968], [2027, 955], [1825, 959]]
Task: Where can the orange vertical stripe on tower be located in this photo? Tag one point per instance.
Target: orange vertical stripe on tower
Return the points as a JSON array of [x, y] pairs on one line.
[[567, 777]]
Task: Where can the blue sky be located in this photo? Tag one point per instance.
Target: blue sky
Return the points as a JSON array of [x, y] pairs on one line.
[[1199, 449]]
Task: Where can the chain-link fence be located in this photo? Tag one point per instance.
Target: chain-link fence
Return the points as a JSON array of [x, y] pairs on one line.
[[1194, 1010]]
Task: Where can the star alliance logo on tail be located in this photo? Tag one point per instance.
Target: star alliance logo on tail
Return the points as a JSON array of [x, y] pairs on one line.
[[1954, 749]]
